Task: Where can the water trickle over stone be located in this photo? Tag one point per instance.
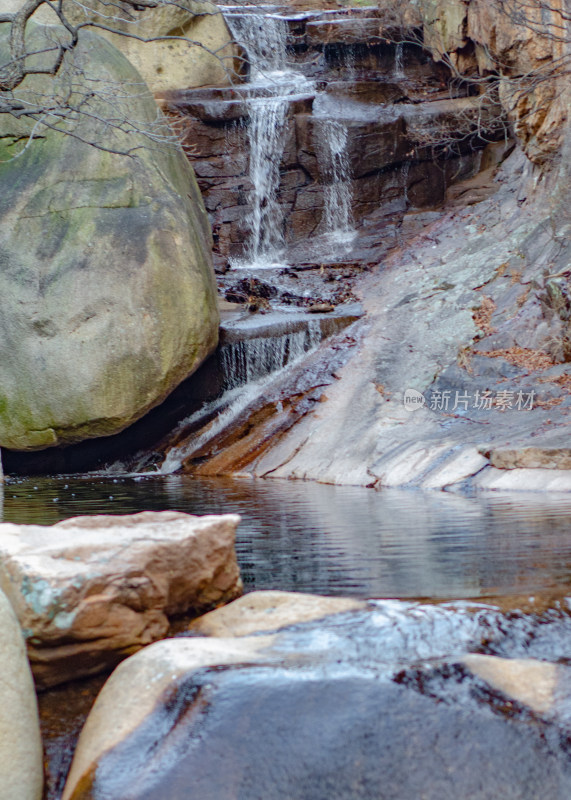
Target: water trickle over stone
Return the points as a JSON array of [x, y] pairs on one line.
[[399, 66], [264, 38], [337, 211]]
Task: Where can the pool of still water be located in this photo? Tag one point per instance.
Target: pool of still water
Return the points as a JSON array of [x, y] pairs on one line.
[[336, 540], [347, 541]]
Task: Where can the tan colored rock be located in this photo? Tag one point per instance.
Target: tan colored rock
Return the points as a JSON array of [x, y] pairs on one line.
[[90, 590], [270, 611], [528, 681], [530, 458], [526, 43], [444, 25], [209, 57], [21, 757], [527, 52], [136, 689]]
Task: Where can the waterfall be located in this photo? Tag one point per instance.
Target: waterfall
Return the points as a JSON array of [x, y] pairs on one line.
[[266, 139], [337, 218], [249, 360], [404, 171], [399, 67], [264, 38], [249, 365]]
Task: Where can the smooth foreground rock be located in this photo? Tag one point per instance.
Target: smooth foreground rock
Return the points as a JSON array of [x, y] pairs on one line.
[[108, 294], [328, 710], [21, 757], [90, 590], [270, 611]]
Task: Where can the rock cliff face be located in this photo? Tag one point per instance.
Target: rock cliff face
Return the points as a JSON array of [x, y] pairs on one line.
[[467, 320], [526, 44], [108, 295]]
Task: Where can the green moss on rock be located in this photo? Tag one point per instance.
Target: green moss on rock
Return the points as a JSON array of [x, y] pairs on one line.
[[108, 294]]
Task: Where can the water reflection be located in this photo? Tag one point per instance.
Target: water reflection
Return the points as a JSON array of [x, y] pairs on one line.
[[344, 540]]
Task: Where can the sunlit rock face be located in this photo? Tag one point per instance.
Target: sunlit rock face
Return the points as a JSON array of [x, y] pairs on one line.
[[108, 294], [198, 52], [527, 44]]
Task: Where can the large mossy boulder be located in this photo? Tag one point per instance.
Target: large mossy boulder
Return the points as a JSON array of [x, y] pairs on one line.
[[108, 298]]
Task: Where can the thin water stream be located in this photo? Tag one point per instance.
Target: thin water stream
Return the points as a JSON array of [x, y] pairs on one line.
[[274, 82]]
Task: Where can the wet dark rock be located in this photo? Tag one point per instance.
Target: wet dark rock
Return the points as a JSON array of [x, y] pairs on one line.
[[391, 130], [337, 708], [253, 287], [345, 31]]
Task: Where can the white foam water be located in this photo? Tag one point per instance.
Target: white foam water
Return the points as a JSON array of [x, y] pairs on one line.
[[248, 360], [251, 366], [265, 39], [337, 218]]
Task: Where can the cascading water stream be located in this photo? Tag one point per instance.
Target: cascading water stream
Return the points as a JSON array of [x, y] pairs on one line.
[[337, 212], [405, 169], [399, 66], [272, 86], [264, 39], [248, 360], [249, 366], [265, 137]]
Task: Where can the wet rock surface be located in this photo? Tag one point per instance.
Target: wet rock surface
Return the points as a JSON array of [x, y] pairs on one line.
[[348, 75], [360, 704], [270, 611], [90, 590], [456, 317]]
